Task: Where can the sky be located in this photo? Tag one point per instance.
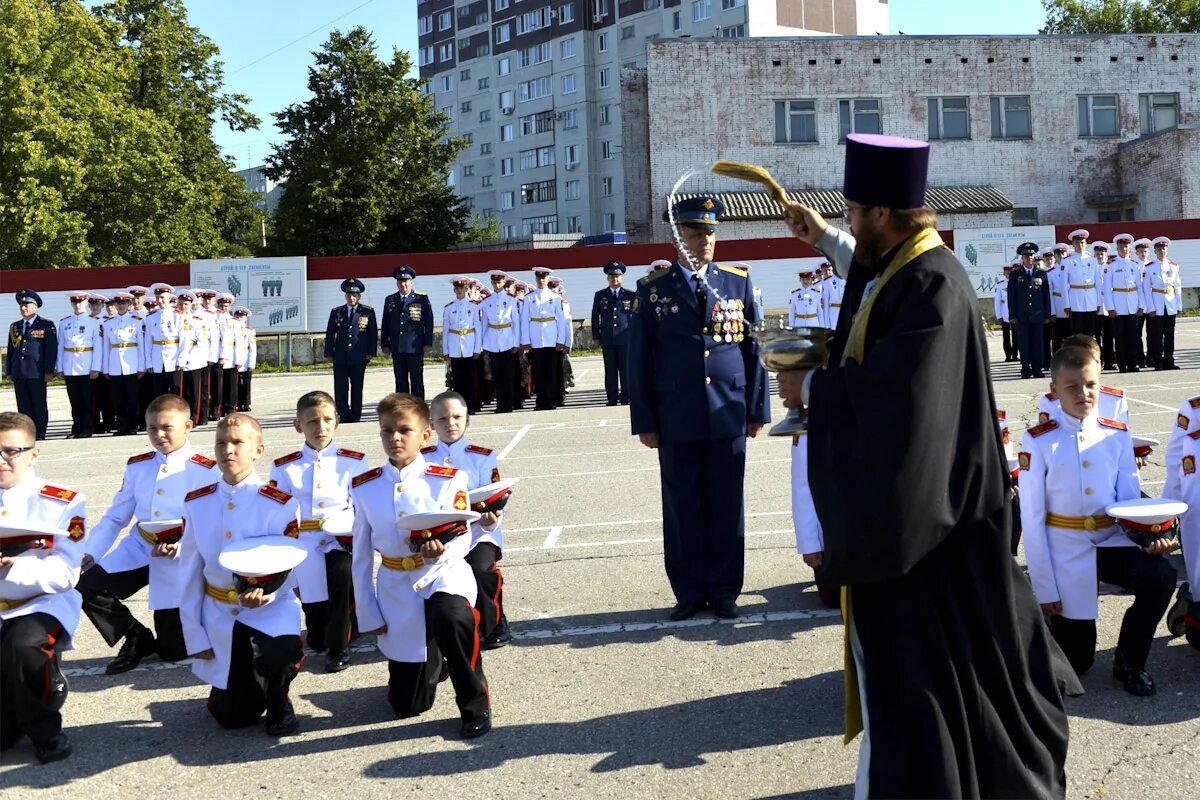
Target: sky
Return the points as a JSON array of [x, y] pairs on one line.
[[266, 45]]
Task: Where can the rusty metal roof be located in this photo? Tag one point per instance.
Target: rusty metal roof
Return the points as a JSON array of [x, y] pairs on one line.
[[746, 206]]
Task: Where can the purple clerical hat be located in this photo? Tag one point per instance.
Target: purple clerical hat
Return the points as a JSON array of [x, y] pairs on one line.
[[886, 171]]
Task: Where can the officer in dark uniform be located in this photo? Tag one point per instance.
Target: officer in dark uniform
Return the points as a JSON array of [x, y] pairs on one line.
[[612, 313], [696, 390], [406, 332], [351, 338], [32, 351], [1029, 306]]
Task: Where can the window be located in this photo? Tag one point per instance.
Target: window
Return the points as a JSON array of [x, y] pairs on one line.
[[504, 66], [571, 190], [501, 5], [532, 90], [448, 111], [464, 43], [507, 99], [485, 115], [510, 230], [485, 149], [537, 157], [483, 84], [451, 177], [464, 75], [606, 150], [859, 116], [1022, 217], [465, 106], [426, 88], [481, 18], [445, 20], [533, 20], [543, 224], [464, 11], [469, 138], [503, 34], [701, 10], [604, 78], [538, 54], [571, 154], [949, 118], [566, 13], [628, 32], [540, 192], [507, 200], [610, 222], [568, 83], [567, 48], [506, 167], [734, 31], [605, 115], [1098, 115], [628, 65], [506, 135], [426, 56], [446, 51], [795, 121], [574, 225], [469, 171], [537, 123], [728, 4], [606, 187], [445, 83], [1011, 118], [570, 119], [424, 25], [1159, 112], [604, 42], [675, 23]]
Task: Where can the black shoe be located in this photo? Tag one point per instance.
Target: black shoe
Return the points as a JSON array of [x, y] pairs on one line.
[[1024, 375], [611, 403], [725, 609], [56, 748], [137, 645], [287, 724], [1039, 375], [1134, 369], [499, 637], [1177, 613], [336, 662], [69, 436], [1174, 366], [477, 727], [1140, 684], [684, 610]]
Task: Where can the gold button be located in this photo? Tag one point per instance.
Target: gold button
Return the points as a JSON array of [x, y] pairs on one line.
[[324, 542], [1087, 464], [449, 460], [706, 354], [164, 469], [402, 513], [708, 380], [317, 486], [228, 534], [321, 504], [158, 491], [1087, 491], [232, 597], [158, 513], [4, 512], [399, 487], [229, 506]]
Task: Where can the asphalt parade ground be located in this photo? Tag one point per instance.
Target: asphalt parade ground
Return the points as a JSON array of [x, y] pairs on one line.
[[599, 695]]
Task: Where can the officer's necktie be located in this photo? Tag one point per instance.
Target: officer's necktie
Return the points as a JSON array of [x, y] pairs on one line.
[[701, 295], [25, 333]]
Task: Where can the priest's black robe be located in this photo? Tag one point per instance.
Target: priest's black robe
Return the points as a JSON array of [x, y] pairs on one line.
[[911, 486]]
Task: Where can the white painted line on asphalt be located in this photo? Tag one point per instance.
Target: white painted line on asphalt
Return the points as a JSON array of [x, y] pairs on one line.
[[619, 542], [611, 523], [630, 469], [513, 442], [552, 537], [583, 374], [1156, 405]]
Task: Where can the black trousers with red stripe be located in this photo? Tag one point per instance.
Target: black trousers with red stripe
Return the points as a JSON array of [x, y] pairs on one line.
[[329, 621], [452, 637], [484, 560], [261, 670], [32, 687], [102, 593]]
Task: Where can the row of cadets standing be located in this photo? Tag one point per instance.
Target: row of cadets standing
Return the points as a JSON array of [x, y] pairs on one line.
[[406, 332], [612, 315]]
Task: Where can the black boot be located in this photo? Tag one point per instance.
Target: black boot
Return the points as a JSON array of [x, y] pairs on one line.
[[137, 645], [499, 637]]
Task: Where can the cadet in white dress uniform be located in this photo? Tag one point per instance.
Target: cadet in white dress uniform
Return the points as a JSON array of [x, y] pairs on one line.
[[249, 653], [833, 287], [80, 360], [246, 357], [192, 358], [124, 362], [163, 330], [1082, 282], [544, 334], [1187, 421], [1125, 301], [462, 343], [500, 318], [1163, 290], [38, 609], [1188, 481], [1071, 470], [805, 309]]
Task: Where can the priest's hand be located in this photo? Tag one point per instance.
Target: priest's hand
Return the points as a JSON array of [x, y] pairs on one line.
[[1052, 609], [432, 550], [791, 387], [204, 655], [253, 598], [649, 439], [813, 559], [805, 223]]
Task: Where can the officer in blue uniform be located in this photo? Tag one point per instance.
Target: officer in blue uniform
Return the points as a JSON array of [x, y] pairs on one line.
[[612, 314], [1029, 307], [32, 351], [696, 390], [351, 338], [406, 332]]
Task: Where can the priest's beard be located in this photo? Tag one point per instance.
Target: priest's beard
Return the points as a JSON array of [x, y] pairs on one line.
[[869, 243]]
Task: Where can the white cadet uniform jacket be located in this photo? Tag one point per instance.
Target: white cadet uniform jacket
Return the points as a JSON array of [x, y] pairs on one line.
[[162, 343], [1000, 301], [381, 496], [804, 309], [123, 345], [500, 316], [212, 331], [1083, 282], [193, 342], [1005, 439], [809, 537], [248, 355], [1123, 287], [1071, 470], [153, 489], [461, 335], [320, 482], [1163, 287], [44, 579], [543, 319], [226, 338], [1058, 290], [1189, 492], [481, 467], [1186, 421], [832, 290], [1110, 404], [80, 347], [214, 516]]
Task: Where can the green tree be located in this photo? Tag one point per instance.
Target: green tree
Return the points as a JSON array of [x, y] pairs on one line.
[[1122, 16], [366, 159]]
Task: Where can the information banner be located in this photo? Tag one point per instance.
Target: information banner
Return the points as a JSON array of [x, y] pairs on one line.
[[274, 289], [985, 251]]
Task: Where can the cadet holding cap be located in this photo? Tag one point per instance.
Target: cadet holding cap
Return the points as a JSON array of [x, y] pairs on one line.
[[406, 332], [246, 358], [500, 321], [80, 358], [32, 351], [910, 483], [461, 337], [545, 330], [351, 339], [1163, 290], [1125, 302], [612, 315], [124, 362]]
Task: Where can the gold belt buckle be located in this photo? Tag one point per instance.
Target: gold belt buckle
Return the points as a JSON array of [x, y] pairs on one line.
[[408, 563], [1089, 523]]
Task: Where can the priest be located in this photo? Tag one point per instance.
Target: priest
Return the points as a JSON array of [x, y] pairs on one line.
[[949, 664]]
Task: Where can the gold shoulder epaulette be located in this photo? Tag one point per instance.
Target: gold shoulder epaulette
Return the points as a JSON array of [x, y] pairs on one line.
[[735, 270], [653, 276]]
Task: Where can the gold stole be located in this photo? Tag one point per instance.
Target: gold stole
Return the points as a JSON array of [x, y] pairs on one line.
[[856, 344]]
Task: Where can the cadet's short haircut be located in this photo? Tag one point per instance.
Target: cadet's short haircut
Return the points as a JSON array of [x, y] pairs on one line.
[[1082, 340], [446, 397], [238, 418], [405, 404], [312, 400], [16, 421], [1071, 358], [168, 402]]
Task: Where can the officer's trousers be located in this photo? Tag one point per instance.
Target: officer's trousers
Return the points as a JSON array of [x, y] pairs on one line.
[[484, 559], [1127, 345], [1029, 342], [145, 395], [1152, 581], [124, 390], [704, 523], [32, 687], [409, 371], [616, 362], [452, 637], [261, 670], [328, 622], [31, 401], [348, 390], [81, 391], [464, 376], [102, 594], [1160, 349], [503, 365]]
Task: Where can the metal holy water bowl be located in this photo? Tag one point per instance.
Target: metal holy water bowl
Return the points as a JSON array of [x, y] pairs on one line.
[[786, 349]]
